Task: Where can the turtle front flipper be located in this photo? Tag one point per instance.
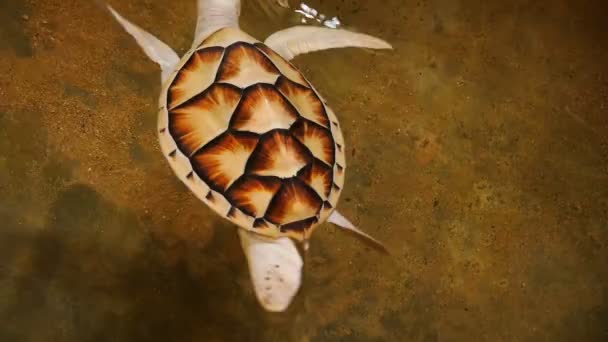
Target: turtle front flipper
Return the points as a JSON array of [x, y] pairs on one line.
[[342, 222], [275, 267], [154, 48], [299, 40]]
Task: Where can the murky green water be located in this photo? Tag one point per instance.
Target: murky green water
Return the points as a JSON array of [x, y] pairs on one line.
[[477, 150]]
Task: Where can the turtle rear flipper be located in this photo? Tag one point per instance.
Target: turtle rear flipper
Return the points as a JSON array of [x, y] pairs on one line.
[[342, 222], [275, 268]]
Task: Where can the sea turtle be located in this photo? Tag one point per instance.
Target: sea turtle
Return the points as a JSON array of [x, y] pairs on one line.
[[249, 135]]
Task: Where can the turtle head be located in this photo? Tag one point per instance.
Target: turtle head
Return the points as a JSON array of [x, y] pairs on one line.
[[221, 6], [237, 4]]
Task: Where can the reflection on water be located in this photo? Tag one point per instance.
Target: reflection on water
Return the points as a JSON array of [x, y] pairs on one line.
[[315, 17], [477, 151]]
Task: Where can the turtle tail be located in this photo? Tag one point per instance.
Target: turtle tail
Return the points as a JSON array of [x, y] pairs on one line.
[[214, 15]]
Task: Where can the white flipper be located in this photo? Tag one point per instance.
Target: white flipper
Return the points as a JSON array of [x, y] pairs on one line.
[[213, 15], [275, 267], [299, 40], [342, 222], [154, 48]]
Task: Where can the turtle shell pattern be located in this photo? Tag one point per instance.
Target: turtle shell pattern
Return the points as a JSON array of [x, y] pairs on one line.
[[251, 137]]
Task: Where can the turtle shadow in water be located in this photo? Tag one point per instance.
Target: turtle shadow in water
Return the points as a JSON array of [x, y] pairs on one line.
[[93, 274]]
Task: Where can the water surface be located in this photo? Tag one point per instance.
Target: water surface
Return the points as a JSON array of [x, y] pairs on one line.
[[477, 150]]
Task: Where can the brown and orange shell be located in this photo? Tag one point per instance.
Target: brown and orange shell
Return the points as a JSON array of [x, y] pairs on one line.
[[251, 137]]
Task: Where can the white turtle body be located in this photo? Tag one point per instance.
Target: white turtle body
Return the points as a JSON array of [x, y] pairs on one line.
[[274, 262]]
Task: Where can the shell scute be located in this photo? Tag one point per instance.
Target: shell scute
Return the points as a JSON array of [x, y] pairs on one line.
[[299, 226], [237, 215], [223, 160], [284, 66], [263, 109], [227, 36], [278, 154], [305, 100], [295, 201], [316, 138], [203, 117], [253, 194], [195, 76], [244, 65], [318, 176]]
